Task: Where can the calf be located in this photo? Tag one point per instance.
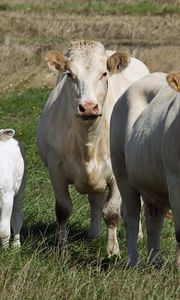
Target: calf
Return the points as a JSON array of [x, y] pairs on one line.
[[11, 187]]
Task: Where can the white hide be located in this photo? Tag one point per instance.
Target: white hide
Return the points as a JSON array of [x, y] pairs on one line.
[[11, 187], [76, 151], [144, 142]]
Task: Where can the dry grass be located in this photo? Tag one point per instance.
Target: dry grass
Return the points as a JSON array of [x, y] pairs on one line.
[[25, 37]]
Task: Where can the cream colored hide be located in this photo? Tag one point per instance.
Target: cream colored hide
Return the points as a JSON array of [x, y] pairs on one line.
[[11, 188], [73, 133], [145, 155]]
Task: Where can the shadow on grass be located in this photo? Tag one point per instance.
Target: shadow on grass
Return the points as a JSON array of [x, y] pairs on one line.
[[42, 231], [43, 238]]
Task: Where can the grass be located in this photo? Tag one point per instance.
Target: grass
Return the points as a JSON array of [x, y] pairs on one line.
[[39, 270], [100, 7]]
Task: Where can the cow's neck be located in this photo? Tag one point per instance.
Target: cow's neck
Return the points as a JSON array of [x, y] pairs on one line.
[[90, 137]]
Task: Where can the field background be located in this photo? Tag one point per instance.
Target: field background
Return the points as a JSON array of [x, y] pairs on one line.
[[147, 30]]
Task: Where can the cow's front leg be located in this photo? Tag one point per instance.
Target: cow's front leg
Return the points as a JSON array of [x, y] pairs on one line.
[[96, 202], [111, 214], [154, 222], [63, 205]]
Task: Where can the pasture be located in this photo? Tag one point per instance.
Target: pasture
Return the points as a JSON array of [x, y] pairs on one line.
[[39, 270]]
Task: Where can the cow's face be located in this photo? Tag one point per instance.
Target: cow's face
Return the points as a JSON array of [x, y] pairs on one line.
[[88, 69], [89, 81]]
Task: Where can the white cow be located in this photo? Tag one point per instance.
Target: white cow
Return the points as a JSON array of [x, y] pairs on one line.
[[11, 187], [145, 153], [73, 133]]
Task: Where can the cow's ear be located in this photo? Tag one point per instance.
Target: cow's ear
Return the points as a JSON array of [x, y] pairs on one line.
[[6, 134], [174, 81], [55, 61], [117, 62]]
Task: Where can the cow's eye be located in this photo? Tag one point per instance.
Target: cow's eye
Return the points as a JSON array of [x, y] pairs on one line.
[[104, 75]]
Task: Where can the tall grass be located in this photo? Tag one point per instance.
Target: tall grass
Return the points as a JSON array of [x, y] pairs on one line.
[[40, 270]]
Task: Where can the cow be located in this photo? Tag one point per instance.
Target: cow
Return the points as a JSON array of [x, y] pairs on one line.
[[12, 182], [145, 156], [73, 132]]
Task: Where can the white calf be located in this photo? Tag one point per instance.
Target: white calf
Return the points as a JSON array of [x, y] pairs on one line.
[[11, 187]]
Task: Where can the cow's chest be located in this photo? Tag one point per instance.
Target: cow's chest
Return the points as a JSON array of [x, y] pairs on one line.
[[90, 176]]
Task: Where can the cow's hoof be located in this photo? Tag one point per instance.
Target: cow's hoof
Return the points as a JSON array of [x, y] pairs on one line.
[[155, 259], [113, 249], [132, 263], [178, 266], [140, 236], [16, 245]]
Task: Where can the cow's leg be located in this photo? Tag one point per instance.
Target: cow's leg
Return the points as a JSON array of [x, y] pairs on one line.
[[17, 216], [96, 202], [5, 217], [154, 218], [111, 214], [174, 197], [132, 207], [131, 204], [63, 205], [140, 233]]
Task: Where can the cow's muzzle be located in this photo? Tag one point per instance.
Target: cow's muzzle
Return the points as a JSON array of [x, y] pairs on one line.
[[89, 110]]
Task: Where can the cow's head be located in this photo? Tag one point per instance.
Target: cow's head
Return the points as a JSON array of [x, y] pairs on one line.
[[6, 134], [88, 68], [174, 81]]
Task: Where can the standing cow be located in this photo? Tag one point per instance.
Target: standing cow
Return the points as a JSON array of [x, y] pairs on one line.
[[145, 152], [11, 187], [73, 133]]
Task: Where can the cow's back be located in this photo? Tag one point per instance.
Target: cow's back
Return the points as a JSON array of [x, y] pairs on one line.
[[130, 105]]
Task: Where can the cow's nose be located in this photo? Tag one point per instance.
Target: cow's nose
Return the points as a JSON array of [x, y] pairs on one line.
[[88, 108]]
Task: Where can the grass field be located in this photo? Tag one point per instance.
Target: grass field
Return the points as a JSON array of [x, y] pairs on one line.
[[39, 270]]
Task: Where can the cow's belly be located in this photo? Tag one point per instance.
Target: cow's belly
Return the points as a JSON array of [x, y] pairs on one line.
[[151, 186], [90, 177], [146, 172]]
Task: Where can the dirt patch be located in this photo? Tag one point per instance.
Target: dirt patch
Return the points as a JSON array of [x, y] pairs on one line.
[[25, 37]]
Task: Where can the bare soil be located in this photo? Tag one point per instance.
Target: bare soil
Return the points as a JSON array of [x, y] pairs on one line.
[[26, 36]]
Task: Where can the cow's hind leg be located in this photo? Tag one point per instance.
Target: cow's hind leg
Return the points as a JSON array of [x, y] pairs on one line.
[[5, 218], [132, 207], [174, 199], [111, 214], [63, 205], [96, 202], [131, 204], [17, 216], [154, 218]]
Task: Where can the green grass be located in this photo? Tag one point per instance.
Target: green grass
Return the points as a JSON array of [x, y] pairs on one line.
[[101, 7], [39, 270]]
